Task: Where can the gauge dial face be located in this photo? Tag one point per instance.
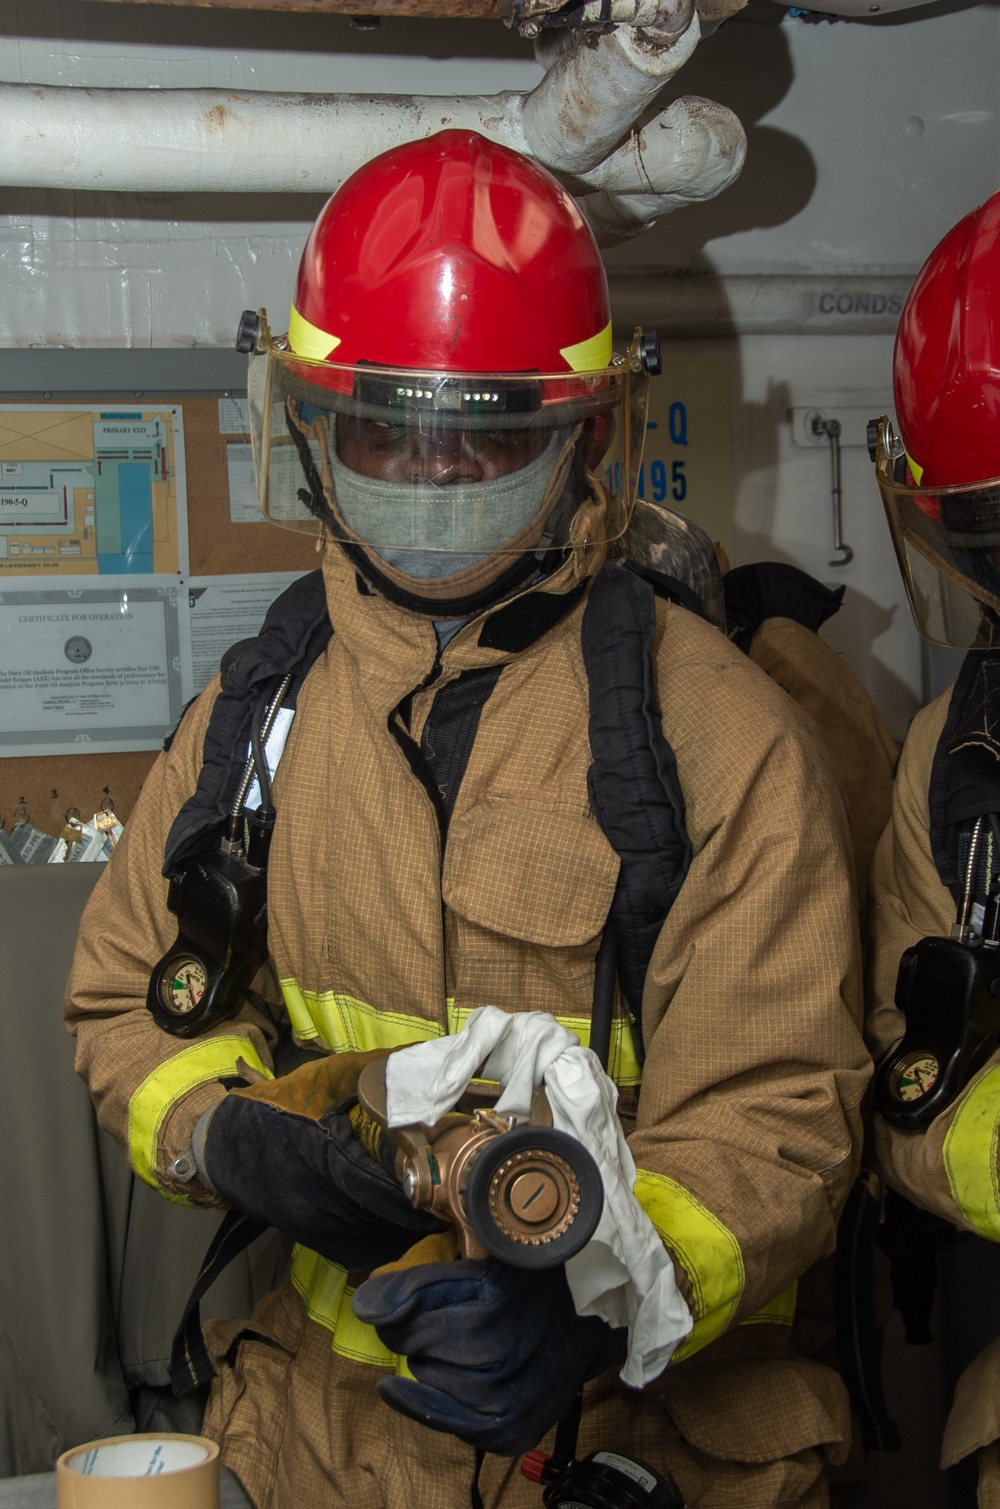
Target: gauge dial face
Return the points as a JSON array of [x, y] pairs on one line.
[[183, 986], [915, 1076]]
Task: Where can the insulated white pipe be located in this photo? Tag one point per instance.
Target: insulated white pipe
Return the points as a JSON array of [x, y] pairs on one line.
[[107, 310], [206, 140], [692, 150]]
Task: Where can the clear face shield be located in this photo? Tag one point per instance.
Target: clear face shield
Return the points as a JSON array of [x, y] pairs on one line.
[[947, 542], [412, 464]]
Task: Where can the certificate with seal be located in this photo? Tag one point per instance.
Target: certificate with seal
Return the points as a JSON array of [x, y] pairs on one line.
[[92, 664]]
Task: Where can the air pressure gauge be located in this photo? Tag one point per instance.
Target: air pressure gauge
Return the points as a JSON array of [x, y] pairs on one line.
[[914, 1076], [182, 985]]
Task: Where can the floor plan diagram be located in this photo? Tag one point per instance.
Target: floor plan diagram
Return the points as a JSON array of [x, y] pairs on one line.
[[92, 491]]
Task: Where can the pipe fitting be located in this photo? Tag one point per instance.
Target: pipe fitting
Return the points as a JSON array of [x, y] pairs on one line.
[[691, 151], [591, 96]]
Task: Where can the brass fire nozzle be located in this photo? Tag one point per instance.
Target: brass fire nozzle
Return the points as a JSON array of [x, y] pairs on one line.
[[525, 1193]]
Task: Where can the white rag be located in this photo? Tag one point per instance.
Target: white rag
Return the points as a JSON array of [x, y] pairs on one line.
[[624, 1274]]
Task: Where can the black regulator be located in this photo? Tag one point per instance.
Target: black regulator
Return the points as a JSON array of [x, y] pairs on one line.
[[948, 990], [220, 902]]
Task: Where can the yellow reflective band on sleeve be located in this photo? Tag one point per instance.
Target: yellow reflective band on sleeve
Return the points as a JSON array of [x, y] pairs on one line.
[[780, 1311], [309, 340], [327, 1295], [345, 1024], [591, 355], [970, 1156], [707, 1251], [214, 1058]]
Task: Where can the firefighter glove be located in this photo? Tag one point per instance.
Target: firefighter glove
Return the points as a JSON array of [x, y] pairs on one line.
[[497, 1353]]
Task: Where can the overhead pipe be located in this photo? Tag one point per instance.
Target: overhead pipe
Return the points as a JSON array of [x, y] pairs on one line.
[[578, 122], [704, 155], [211, 141], [681, 306]]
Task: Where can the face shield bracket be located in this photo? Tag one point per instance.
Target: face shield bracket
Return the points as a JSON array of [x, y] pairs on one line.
[[501, 421]]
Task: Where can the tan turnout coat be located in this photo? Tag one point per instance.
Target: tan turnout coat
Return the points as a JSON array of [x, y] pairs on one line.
[[744, 1129], [952, 1167]]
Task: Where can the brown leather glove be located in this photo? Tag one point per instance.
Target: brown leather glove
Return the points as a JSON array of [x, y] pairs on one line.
[[284, 1152]]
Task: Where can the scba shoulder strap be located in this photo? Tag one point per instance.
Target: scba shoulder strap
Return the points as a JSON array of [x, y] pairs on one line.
[[965, 774], [295, 632], [633, 784]]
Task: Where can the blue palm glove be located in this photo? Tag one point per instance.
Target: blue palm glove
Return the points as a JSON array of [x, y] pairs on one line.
[[498, 1353]]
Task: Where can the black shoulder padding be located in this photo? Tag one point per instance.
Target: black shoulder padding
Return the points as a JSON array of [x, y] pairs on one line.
[[633, 784], [295, 632], [965, 774], [773, 589]]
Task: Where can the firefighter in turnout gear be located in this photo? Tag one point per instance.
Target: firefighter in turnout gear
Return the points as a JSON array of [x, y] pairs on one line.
[[503, 769], [936, 874]]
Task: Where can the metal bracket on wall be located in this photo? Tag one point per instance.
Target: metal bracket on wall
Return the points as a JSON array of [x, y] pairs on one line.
[[830, 428], [834, 427]]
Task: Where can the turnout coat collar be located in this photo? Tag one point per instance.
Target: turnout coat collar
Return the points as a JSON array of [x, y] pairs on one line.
[[395, 651]]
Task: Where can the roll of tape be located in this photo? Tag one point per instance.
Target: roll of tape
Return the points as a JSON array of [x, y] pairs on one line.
[[140, 1472]]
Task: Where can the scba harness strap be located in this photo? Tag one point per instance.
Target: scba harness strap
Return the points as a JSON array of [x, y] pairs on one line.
[[295, 632], [965, 774], [948, 988]]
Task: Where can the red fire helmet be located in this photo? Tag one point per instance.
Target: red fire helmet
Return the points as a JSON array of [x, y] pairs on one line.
[[940, 478], [452, 254], [452, 304], [946, 366]]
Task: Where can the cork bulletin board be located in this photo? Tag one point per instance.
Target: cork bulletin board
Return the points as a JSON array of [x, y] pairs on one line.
[[45, 787]]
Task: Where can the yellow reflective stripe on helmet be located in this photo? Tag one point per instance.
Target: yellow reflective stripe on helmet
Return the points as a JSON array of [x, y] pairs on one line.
[[309, 340], [591, 355], [327, 1295], [707, 1251], [970, 1156], [780, 1311], [345, 1024], [213, 1058], [916, 471]]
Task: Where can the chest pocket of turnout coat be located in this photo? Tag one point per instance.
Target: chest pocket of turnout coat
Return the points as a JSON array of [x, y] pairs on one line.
[[528, 891]]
